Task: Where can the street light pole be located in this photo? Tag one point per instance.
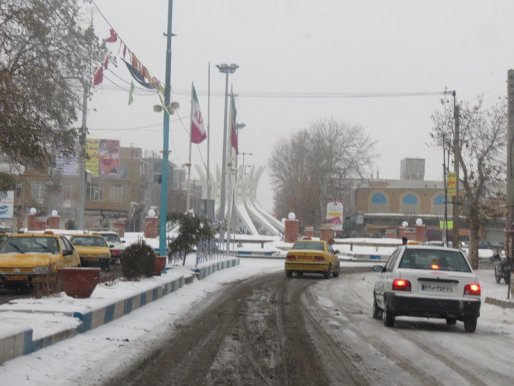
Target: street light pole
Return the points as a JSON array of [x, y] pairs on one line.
[[82, 161], [225, 69], [165, 131]]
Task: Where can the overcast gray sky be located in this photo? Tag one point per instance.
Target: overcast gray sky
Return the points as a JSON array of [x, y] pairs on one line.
[[300, 46]]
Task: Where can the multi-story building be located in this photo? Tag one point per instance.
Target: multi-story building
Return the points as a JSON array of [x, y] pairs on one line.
[[125, 196], [380, 207]]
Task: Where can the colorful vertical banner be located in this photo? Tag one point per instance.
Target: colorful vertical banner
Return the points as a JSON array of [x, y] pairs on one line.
[[92, 154], [109, 158], [334, 217], [451, 184]]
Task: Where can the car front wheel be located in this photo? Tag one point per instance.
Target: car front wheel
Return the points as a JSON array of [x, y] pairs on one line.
[[289, 274]]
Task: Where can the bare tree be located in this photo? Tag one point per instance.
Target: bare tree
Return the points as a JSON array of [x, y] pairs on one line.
[[307, 167], [45, 60], [481, 151]]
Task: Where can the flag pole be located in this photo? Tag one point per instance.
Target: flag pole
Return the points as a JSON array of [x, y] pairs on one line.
[[208, 132], [188, 200]]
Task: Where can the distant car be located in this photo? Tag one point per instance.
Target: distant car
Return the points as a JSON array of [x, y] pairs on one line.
[[93, 250], [428, 282], [312, 256], [27, 256], [116, 245]]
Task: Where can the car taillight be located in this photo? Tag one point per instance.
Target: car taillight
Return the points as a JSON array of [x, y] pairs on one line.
[[472, 289], [401, 285], [319, 258], [435, 267], [291, 257], [115, 252]]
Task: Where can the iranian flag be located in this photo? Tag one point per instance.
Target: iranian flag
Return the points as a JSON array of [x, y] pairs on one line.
[[198, 133]]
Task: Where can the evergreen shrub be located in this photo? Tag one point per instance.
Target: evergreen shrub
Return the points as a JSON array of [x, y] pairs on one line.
[[137, 260]]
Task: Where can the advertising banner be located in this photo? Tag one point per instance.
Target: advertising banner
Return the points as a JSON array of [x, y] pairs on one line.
[[451, 183], [109, 158], [334, 217], [67, 165], [6, 204], [92, 152]]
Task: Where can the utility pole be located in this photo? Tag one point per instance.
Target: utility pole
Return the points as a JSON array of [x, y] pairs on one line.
[[509, 228], [456, 162], [163, 210], [82, 159]]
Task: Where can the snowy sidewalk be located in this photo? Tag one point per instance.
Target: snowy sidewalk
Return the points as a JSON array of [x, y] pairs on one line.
[[27, 325]]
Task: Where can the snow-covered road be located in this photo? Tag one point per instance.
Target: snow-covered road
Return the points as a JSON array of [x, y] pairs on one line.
[[415, 350]]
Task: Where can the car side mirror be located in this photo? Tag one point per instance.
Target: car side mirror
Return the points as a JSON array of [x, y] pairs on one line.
[[67, 252], [111, 246], [123, 241], [336, 252], [378, 268]]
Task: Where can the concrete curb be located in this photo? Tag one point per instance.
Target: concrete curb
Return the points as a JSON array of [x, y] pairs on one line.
[[203, 272], [499, 303], [22, 342]]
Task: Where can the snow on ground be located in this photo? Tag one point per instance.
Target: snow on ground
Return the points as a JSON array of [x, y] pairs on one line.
[[88, 358]]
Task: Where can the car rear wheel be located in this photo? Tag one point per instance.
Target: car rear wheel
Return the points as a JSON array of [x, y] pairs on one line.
[[336, 273], [299, 274], [377, 312], [289, 274], [326, 274], [470, 325], [451, 321], [388, 317]]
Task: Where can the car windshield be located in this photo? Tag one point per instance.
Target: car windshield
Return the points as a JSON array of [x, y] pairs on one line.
[[434, 259], [30, 245], [89, 241], [112, 238], [312, 245]]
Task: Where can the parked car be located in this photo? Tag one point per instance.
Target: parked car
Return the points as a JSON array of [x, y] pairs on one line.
[[93, 250], [116, 245], [428, 282], [26, 256], [312, 256]]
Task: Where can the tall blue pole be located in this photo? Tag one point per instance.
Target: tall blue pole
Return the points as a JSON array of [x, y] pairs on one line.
[[166, 135]]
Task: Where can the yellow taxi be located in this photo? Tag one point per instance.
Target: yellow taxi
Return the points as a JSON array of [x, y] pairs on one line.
[[24, 257], [312, 256], [93, 250]]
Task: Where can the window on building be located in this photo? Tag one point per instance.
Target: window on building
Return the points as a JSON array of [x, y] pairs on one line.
[[438, 205], [38, 191], [118, 193], [95, 192], [66, 192], [410, 203], [379, 203]]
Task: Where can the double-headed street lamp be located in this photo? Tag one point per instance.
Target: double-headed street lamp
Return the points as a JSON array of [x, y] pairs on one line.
[[225, 69]]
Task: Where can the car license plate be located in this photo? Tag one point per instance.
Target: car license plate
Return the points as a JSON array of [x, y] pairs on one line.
[[17, 277], [437, 287]]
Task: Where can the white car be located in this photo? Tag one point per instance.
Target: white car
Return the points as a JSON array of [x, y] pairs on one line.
[[429, 282], [116, 245]]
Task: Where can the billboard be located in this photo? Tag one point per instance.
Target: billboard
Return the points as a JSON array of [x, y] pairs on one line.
[[92, 151], [6, 204], [109, 158], [67, 165], [334, 217]]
